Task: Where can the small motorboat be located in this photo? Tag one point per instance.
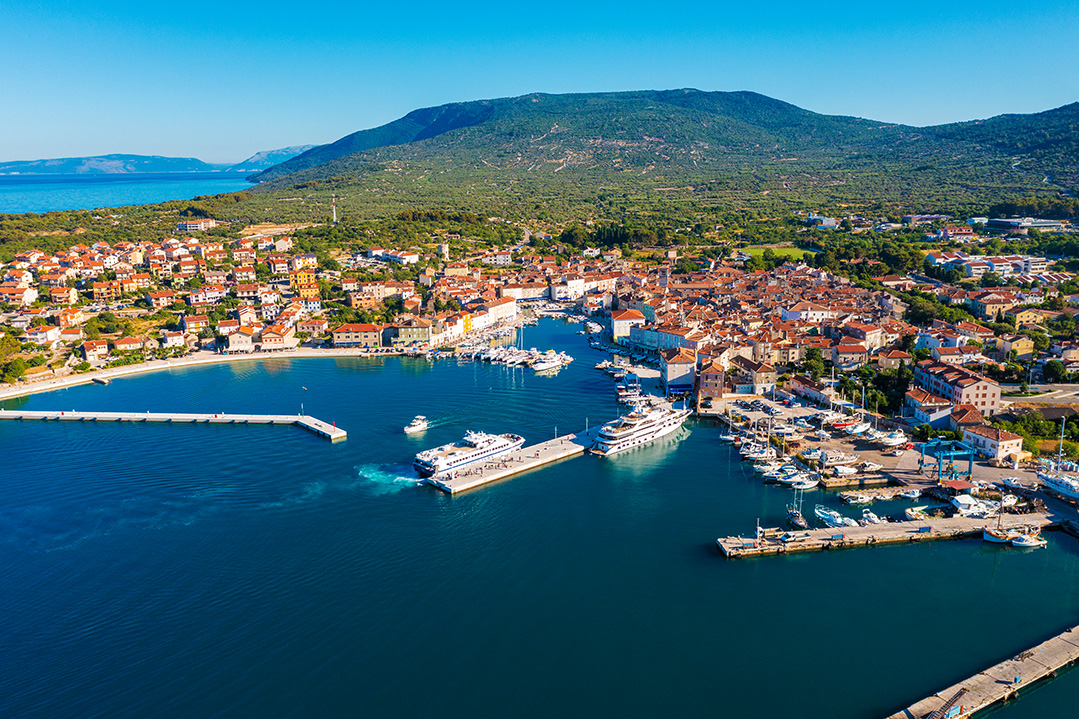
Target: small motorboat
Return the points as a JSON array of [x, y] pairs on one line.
[[419, 424], [1013, 482], [805, 483], [871, 467], [844, 471], [910, 494], [869, 517], [1028, 541]]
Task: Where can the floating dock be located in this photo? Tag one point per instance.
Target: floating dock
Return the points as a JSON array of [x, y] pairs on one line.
[[998, 683], [815, 540], [325, 429], [511, 463]]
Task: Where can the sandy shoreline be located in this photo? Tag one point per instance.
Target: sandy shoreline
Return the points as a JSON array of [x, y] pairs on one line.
[[194, 360], [206, 358]]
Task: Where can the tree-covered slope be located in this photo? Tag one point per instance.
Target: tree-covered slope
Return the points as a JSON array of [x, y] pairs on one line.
[[561, 155]]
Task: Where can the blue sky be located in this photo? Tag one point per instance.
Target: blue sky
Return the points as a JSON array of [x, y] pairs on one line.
[[222, 80]]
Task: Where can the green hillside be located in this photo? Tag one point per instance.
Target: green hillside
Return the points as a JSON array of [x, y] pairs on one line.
[[602, 155]]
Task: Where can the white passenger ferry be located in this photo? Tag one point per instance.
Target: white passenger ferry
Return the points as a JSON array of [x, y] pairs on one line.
[[475, 446], [637, 428]]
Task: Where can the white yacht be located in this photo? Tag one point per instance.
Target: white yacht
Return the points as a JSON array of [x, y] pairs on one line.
[[419, 424], [475, 446], [637, 428], [546, 363], [1061, 484]]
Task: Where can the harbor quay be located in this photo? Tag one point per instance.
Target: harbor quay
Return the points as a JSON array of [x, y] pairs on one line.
[[771, 541], [325, 429], [1000, 682], [513, 463]]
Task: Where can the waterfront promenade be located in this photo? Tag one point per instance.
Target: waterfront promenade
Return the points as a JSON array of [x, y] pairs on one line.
[[326, 429], [511, 463]]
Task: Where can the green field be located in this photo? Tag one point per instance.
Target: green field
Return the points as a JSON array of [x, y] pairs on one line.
[[758, 251]]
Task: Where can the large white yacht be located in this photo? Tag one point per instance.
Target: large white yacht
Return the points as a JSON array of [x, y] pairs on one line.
[[1064, 485], [474, 447], [637, 428]]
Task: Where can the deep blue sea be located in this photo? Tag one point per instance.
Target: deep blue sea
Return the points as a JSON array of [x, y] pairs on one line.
[[44, 193], [257, 571]]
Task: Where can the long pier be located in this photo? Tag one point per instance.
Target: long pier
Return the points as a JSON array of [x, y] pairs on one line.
[[511, 463], [330, 431], [815, 540], [1000, 682]]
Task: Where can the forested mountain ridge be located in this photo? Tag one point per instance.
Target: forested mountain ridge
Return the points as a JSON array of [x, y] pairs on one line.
[[680, 129], [684, 153]]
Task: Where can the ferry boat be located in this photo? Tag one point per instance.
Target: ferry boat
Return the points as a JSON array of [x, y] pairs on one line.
[[419, 424], [475, 446], [637, 428]]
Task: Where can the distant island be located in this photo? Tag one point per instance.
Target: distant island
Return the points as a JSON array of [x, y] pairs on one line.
[[117, 164]]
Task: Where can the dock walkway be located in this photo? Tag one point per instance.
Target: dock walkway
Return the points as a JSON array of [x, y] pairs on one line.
[[998, 683], [887, 533], [325, 429], [511, 463]]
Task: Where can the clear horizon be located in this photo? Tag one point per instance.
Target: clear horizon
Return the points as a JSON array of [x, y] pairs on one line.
[[220, 83]]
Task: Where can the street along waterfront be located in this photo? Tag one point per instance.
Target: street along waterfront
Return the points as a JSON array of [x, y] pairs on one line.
[[195, 570]]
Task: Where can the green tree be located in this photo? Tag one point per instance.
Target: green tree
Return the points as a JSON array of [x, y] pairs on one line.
[[1054, 371]]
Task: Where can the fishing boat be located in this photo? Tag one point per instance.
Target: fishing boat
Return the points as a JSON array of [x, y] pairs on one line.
[[843, 424], [419, 424], [828, 517], [1028, 541]]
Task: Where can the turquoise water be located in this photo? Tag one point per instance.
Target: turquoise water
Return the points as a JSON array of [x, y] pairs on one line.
[[44, 193], [182, 571]]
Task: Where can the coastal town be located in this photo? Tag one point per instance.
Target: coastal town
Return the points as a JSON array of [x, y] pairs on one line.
[[721, 328]]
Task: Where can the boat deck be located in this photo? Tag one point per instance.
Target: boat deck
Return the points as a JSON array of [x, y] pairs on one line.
[[515, 462], [325, 429], [1000, 682]]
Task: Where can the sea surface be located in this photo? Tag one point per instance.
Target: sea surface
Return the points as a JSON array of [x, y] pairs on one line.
[[45, 193], [258, 571]]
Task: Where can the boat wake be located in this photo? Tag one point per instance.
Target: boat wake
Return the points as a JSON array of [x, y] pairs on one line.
[[387, 479]]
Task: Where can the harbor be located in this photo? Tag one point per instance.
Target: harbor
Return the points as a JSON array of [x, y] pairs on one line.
[[1000, 682], [513, 463], [325, 429]]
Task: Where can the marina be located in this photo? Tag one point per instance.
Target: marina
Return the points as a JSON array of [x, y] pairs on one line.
[[364, 502], [325, 429]]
